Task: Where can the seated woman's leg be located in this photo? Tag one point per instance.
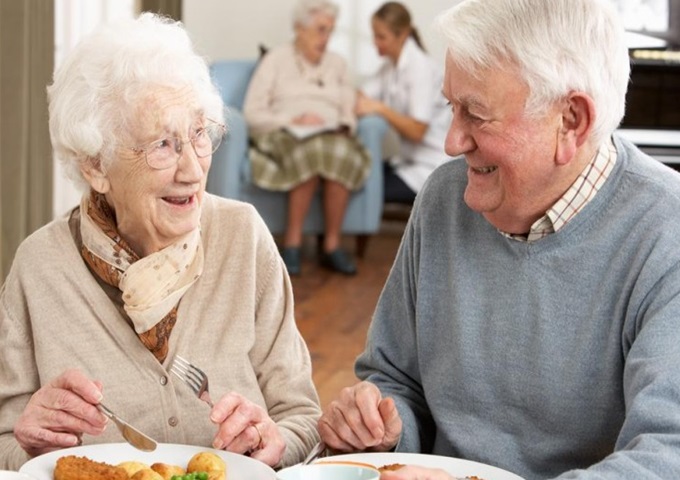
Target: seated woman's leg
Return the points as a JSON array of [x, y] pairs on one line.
[[299, 200], [335, 199]]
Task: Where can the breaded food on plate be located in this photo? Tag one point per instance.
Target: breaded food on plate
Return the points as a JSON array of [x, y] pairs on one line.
[[72, 467]]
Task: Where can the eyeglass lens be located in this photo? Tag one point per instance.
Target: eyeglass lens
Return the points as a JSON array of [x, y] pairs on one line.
[[166, 153]]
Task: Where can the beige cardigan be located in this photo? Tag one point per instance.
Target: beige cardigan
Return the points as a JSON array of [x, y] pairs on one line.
[[285, 85], [236, 322]]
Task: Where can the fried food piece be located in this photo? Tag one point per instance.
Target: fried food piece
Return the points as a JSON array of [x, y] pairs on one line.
[[167, 471], [206, 462], [132, 467], [72, 467], [146, 474], [391, 467]]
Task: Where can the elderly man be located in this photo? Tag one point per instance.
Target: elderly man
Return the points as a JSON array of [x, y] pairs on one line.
[[531, 319]]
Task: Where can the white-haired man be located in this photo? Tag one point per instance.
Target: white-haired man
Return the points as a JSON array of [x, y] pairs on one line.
[[530, 320]]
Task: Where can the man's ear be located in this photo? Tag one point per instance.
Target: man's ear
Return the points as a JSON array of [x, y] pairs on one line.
[[578, 117], [95, 174]]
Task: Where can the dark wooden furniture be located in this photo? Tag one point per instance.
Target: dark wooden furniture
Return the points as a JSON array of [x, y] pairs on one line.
[[652, 119], [653, 100]]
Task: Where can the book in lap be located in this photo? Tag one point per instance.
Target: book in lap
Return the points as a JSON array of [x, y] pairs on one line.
[[305, 131]]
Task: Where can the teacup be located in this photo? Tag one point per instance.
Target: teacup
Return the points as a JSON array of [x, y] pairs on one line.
[[329, 471]]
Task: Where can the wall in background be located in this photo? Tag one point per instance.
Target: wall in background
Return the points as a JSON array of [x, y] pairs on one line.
[[72, 20], [233, 30]]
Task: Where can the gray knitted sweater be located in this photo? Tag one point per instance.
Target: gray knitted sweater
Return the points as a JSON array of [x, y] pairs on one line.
[[557, 358]]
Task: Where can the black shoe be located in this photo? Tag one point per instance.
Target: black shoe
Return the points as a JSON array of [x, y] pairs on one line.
[[292, 257], [339, 261]]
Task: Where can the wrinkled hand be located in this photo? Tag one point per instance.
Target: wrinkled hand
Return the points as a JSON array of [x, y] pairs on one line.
[[59, 413], [360, 419], [245, 427], [308, 119], [366, 105], [410, 472]]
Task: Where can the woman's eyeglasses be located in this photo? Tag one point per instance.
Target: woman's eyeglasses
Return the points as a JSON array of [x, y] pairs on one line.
[[166, 152]]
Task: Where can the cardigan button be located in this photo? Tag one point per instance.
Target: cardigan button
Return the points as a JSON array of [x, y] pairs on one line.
[[173, 421], [164, 380]]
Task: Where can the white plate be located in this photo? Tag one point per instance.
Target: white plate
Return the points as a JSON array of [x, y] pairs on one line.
[[239, 467], [455, 466]]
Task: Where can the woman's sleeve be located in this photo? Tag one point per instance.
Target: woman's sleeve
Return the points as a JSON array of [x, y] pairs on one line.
[[348, 97], [18, 377], [259, 96], [281, 358], [424, 90]]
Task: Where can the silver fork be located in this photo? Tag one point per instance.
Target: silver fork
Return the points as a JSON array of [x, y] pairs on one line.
[[193, 376]]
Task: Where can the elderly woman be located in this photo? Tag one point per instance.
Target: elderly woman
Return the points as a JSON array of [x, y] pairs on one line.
[[148, 267], [299, 107]]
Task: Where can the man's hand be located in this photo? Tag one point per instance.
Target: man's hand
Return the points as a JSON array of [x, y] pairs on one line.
[[360, 419]]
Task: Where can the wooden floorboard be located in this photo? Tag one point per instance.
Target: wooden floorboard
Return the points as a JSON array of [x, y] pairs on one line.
[[333, 311]]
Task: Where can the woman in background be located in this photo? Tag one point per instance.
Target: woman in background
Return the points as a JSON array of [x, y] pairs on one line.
[[406, 91], [300, 112], [99, 303]]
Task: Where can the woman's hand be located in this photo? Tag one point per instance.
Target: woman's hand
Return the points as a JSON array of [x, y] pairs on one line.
[[416, 473], [360, 419], [366, 105], [59, 413], [246, 427], [308, 119]]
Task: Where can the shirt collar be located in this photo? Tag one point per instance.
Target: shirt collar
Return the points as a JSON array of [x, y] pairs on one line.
[[574, 200]]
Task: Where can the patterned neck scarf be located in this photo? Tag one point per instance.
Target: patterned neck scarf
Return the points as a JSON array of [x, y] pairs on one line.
[[151, 286]]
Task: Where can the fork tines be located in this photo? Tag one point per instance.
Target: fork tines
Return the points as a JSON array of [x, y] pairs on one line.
[[188, 373]]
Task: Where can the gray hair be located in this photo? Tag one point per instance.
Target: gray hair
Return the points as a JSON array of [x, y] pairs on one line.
[[560, 46], [306, 9], [94, 90]]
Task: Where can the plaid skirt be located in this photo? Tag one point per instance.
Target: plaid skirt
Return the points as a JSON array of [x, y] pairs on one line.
[[281, 162]]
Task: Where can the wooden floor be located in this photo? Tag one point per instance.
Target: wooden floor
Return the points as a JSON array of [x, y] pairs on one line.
[[333, 311]]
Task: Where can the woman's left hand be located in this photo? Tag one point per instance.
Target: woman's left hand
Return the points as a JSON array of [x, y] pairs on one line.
[[366, 105], [245, 427]]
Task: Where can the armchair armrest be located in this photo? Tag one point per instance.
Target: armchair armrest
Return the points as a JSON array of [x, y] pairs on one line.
[[371, 130], [230, 163]]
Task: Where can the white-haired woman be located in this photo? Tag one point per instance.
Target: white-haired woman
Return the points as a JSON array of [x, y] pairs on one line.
[[300, 86], [148, 267]]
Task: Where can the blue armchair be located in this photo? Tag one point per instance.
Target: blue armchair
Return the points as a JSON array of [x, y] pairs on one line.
[[230, 174]]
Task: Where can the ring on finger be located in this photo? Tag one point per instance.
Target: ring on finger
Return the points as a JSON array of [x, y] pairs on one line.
[[259, 436]]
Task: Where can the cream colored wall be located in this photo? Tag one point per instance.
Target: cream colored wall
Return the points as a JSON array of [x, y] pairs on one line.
[[230, 29]]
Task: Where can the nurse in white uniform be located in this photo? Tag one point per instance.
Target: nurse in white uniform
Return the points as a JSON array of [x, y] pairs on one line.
[[407, 92]]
